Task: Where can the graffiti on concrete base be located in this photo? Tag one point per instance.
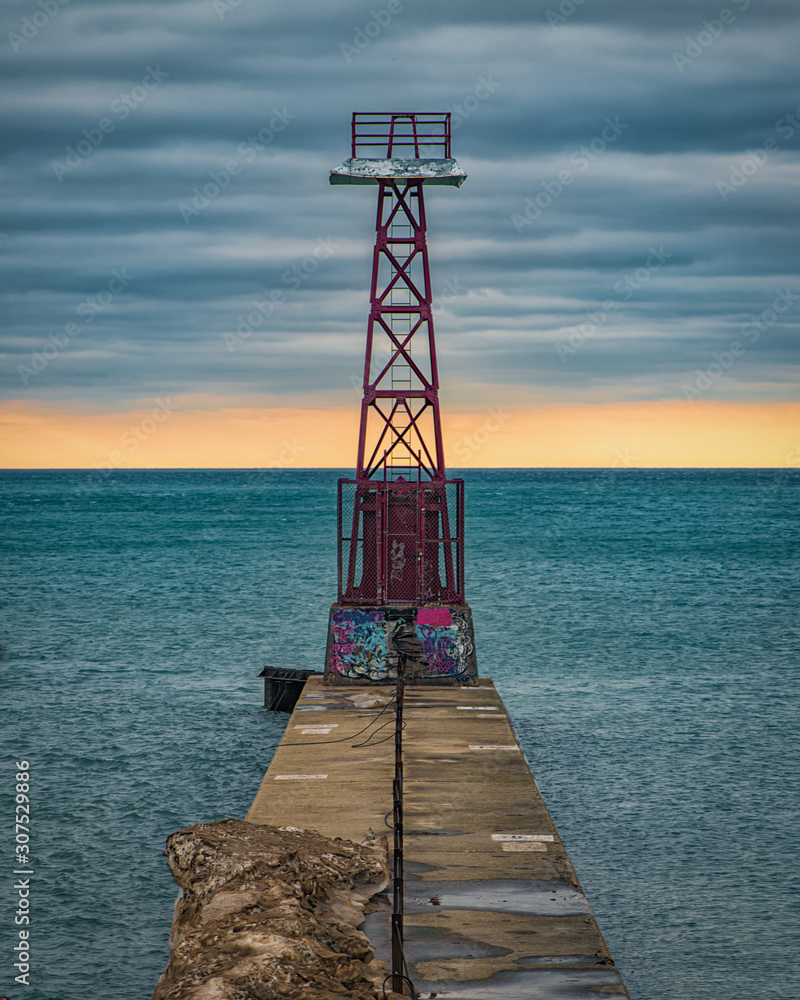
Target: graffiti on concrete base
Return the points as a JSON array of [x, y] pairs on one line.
[[358, 644], [364, 644], [446, 644]]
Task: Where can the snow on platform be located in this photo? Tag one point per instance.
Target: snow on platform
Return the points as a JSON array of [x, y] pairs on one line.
[[432, 171]]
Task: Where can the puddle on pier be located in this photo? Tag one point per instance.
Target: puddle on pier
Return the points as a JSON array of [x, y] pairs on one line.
[[525, 896], [433, 833], [536, 978], [548, 961], [546, 984], [425, 945]]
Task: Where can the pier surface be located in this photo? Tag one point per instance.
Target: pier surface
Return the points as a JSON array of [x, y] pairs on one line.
[[494, 909]]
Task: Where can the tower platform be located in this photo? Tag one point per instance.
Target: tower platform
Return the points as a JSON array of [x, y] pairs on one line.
[[434, 171], [493, 907]]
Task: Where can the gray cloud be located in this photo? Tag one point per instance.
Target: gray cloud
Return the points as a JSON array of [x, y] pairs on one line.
[[157, 102]]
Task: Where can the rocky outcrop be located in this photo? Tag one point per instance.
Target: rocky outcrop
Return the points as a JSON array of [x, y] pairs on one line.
[[269, 914]]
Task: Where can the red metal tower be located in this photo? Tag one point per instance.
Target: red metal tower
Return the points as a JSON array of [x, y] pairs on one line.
[[401, 520]]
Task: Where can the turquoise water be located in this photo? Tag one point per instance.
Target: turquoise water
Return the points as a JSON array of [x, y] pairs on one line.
[[641, 626]]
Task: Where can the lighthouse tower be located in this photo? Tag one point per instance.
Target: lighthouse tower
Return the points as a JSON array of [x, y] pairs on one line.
[[401, 520]]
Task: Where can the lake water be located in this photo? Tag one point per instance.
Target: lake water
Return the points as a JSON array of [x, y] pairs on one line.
[[641, 626]]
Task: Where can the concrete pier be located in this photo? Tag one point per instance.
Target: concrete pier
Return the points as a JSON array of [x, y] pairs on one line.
[[494, 909]]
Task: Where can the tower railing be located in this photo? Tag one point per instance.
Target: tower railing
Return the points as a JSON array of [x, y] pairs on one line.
[[405, 135]]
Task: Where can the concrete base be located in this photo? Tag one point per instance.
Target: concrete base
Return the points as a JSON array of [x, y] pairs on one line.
[[363, 644], [494, 909]]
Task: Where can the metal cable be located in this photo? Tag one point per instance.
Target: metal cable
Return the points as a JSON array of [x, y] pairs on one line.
[[342, 739], [367, 742]]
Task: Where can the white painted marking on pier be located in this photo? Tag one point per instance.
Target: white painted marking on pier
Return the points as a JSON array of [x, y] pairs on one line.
[[298, 777], [477, 708], [511, 837], [536, 845], [491, 746], [315, 731]]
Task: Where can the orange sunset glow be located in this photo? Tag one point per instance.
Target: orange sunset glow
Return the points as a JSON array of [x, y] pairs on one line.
[[173, 434]]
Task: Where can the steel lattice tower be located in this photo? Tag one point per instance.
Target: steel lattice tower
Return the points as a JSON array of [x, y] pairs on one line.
[[401, 519], [401, 383]]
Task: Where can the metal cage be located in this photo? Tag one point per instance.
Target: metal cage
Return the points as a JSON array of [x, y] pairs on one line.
[[401, 542]]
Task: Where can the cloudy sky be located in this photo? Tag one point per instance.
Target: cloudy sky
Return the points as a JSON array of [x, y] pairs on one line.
[[617, 278]]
